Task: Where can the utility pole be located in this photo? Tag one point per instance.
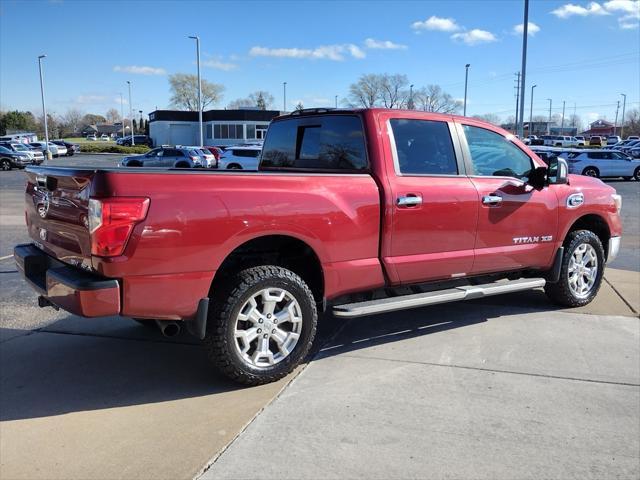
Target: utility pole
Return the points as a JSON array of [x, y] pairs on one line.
[[515, 127], [122, 114], [562, 125], [466, 78], [133, 137], [531, 111], [197, 39], [525, 33], [47, 152], [549, 122], [284, 103], [573, 120], [624, 104], [615, 124], [410, 102]]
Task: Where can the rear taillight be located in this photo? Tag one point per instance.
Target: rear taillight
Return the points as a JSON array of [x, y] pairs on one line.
[[111, 221]]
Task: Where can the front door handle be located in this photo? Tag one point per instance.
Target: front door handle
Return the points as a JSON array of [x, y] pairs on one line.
[[409, 200], [491, 200]]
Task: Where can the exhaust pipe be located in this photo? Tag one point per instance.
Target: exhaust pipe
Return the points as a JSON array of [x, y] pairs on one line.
[[168, 328]]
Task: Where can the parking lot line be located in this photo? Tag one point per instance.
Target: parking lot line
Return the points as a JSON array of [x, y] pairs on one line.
[[6, 257]]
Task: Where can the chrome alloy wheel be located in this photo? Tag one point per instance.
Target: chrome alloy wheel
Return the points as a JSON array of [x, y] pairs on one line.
[[583, 270], [268, 327]]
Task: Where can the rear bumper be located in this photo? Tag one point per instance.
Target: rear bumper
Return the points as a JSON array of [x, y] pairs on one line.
[[71, 289]]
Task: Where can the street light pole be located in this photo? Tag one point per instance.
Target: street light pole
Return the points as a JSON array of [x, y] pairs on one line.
[[549, 122], [523, 70], [466, 78], [284, 102], [531, 111], [624, 104], [133, 137], [615, 124], [562, 124], [122, 114], [44, 110], [197, 39]]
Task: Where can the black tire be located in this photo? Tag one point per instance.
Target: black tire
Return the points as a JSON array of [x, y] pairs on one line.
[[636, 174], [5, 164], [591, 172], [627, 179], [234, 293], [234, 166], [560, 291]]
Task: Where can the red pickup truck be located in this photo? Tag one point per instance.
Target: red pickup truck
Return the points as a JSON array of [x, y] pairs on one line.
[[375, 202]]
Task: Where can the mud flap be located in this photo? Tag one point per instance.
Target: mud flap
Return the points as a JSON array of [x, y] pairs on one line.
[[198, 325]]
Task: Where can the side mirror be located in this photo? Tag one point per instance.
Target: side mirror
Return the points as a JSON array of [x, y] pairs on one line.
[[558, 171], [538, 177]]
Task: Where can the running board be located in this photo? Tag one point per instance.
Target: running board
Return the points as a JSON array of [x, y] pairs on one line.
[[467, 292]]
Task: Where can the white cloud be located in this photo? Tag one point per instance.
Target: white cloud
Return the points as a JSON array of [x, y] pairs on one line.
[[437, 23], [90, 99], [383, 45], [569, 10], [218, 64], [474, 37], [325, 52], [631, 7], [532, 29], [140, 70]]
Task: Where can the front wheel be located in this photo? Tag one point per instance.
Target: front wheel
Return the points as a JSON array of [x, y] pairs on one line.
[[591, 172], [5, 165], [262, 325], [581, 271], [636, 174]]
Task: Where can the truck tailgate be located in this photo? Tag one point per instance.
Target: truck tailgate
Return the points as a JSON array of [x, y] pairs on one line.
[[56, 209]]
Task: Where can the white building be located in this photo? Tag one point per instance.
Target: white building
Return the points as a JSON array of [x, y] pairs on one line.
[[221, 127]]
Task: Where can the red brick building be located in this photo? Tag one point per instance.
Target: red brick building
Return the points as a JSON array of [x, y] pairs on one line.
[[601, 128]]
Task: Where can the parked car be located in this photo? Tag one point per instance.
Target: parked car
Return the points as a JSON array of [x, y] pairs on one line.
[[626, 149], [207, 158], [595, 141], [137, 140], [602, 163], [216, 151], [240, 157], [170, 157], [72, 148], [635, 152], [581, 140], [42, 146], [613, 139], [366, 201], [92, 138], [11, 159], [633, 137], [37, 157], [104, 137]]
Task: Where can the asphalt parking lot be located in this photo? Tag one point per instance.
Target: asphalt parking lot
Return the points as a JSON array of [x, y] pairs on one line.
[[507, 387]]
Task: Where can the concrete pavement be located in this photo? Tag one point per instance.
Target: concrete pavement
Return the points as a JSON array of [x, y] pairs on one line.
[[445, 392]]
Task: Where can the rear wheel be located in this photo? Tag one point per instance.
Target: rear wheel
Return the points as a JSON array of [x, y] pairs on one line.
[[581, 271], [5, 164], [234, 166], [636, 174], [591, 172], [262, 325]]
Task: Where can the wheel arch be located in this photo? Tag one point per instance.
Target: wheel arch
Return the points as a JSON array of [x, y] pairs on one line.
[[276, 249], [595, 223]]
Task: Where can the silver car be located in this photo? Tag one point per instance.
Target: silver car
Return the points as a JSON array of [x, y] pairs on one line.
[[53, 148], [604, 163], [240, 157]]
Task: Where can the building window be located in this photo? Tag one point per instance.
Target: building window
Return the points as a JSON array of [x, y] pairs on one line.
[[209, 131], [228, 131], [251, 132]]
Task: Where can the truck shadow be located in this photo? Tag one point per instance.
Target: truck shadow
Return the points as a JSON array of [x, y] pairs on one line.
[[67, 368]]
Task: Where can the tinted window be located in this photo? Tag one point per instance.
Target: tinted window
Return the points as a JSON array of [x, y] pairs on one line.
[[4, 150], [494, 155], [245, 153], [424, 147], [595, 155], [328, 142]]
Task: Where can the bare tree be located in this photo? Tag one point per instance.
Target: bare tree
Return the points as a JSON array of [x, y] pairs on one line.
[[299, 107], [262, 99], [366, 92], [489, 117], [184, 92], [393, 90], [240, 103], [437, 100], [72, 120], [112, 115]]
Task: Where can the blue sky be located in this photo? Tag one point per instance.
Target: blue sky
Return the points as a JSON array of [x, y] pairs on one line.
[[585, 53]]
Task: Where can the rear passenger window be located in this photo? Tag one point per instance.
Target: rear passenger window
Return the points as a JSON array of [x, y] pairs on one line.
[[326, 142], [492, 155], [423, 147]]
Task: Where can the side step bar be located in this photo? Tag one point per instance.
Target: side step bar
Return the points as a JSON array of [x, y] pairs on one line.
[[467, 292]]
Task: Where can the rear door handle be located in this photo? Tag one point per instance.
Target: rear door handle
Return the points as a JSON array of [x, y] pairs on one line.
[[491, 200], [409, 200]]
